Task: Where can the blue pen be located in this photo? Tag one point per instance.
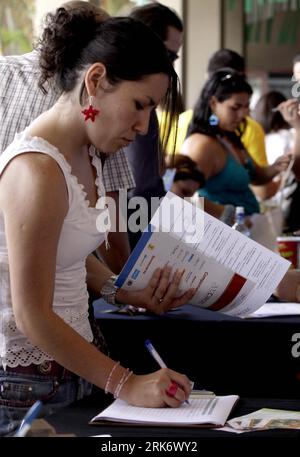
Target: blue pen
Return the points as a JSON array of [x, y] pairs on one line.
[[157, 357], [29, 417]]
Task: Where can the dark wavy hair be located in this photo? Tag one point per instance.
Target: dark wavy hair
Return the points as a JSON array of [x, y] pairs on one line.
[[73, 40], [158, 17], [222, 84], [226, 58], [270, 120]]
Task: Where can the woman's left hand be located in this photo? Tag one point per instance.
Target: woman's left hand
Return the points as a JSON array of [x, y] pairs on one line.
[[160, 295]]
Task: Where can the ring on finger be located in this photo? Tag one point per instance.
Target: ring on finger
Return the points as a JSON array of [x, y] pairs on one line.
[[172, 389], [160, 298]]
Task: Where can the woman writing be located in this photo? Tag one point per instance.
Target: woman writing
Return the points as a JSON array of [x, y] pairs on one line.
[[50, 188], [213, 142]]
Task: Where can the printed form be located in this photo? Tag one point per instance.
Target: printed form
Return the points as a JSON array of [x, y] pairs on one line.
[[230, 272]]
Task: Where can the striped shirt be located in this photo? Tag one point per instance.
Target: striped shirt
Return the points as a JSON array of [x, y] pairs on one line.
[[21, 101]]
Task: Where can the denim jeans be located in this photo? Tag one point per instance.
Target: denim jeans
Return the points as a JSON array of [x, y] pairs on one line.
[[18, 391]]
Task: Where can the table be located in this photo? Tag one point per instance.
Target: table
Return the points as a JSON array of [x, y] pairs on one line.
[[251, 358], [75, 418], [248, 357]]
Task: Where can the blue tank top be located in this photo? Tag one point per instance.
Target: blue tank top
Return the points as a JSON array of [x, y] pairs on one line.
[[231, 185]]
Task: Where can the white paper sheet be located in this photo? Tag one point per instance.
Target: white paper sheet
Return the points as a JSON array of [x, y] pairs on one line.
[[277, 309], [200, 411], [231, 273]]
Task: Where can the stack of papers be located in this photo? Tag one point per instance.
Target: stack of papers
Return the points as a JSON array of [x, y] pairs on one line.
[[265, 419]]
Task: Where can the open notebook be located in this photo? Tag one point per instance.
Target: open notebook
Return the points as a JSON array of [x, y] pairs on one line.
[[211, 412]]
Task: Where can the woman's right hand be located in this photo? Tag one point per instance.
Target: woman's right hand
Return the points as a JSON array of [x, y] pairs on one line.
[[151, 390], [289, 110]]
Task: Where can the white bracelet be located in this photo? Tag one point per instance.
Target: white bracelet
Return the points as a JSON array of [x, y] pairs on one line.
[[109, 377], [123, 380]]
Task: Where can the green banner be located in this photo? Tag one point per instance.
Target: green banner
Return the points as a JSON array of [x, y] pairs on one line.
[[269, 30], [249, 30], [260, 23], [257, 31], [284, 34], [230, 5], [250, 4], [295, 17]]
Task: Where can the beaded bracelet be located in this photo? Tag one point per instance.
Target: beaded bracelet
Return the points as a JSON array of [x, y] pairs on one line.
[[124, 379], [109, 377]]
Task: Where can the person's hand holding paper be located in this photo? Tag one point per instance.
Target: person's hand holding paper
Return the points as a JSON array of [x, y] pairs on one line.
[[229, 272], [161, 293]]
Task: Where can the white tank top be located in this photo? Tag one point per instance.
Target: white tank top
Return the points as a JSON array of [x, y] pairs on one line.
[[79, 237]]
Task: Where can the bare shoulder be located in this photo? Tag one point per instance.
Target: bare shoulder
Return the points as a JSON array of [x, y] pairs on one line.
[[31, 177], [205, 151], [197, 143]]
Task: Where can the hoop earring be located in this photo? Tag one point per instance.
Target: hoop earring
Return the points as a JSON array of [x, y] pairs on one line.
[[213, 119], [90, 112]]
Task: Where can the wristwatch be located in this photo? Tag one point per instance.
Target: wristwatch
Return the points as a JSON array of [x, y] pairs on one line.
[[109, 290]]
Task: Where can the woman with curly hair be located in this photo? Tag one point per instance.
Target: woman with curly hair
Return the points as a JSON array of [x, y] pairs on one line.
[[110, 82]]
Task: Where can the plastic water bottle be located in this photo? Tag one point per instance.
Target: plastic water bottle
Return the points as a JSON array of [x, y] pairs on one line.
[[239, 223]]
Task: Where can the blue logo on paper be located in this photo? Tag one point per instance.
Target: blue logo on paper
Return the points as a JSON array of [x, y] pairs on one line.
[[135, 274]]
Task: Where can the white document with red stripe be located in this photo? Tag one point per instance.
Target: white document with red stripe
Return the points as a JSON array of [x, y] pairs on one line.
[[230, 272]]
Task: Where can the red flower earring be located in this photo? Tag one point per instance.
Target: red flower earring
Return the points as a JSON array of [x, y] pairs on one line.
[[90, 112]]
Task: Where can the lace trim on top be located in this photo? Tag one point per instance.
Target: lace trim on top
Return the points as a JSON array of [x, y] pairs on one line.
[[36, 142], [15, 348]]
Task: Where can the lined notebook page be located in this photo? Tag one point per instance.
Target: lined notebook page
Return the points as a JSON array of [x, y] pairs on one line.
[[200, 411]]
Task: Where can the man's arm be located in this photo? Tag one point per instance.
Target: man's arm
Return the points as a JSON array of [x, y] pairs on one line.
[[119, 250], [117, 178]]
